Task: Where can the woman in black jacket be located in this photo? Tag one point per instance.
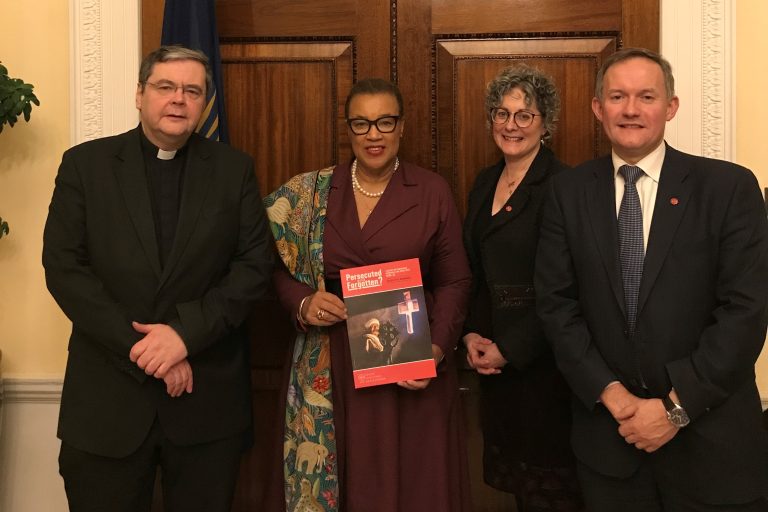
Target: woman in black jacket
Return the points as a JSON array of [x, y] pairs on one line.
[[524, 399]]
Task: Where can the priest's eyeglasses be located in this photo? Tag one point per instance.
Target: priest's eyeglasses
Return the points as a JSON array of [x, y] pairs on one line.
[[523, 118], [165, 88], [385, 124]]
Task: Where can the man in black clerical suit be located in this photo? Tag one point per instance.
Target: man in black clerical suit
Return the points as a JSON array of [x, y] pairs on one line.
[[156, 247], [652, 285]]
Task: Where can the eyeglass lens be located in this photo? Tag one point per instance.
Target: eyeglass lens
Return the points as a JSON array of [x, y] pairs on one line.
[[386, 124], [165, 88], [522, 118]]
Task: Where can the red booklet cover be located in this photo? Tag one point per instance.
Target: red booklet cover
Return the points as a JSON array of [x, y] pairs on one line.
[[387, 323]]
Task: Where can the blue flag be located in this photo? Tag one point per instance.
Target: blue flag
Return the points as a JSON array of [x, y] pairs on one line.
[[192, 23]]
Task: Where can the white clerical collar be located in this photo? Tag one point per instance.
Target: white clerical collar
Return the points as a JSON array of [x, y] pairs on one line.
[[165, 155]]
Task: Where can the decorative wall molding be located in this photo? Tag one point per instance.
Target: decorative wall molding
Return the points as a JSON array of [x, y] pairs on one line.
[[104, 61], [30, 390], [697, 39], [86, 78], [716, 60], [393, 40]]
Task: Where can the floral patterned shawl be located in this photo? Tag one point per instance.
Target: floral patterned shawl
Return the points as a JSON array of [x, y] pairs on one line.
[[297, 217]]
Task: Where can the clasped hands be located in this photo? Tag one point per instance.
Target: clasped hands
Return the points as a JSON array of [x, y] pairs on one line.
[[325, 309], [483, 355], [642, 422], [163, 354]]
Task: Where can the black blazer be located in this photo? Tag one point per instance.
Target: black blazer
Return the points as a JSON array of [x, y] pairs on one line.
[[524, 410], [507, 268], [701, 319], [102, 266]]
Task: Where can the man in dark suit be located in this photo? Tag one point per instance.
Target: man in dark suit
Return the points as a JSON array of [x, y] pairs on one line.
[[653, 290], [156, 247]]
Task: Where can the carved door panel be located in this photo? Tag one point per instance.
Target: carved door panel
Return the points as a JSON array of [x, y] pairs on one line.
[[288, 66]]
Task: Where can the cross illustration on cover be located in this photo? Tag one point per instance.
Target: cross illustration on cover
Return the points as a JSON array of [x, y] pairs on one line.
[[408, 307]]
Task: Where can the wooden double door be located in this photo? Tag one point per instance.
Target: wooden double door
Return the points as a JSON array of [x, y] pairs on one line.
[[289, 64]]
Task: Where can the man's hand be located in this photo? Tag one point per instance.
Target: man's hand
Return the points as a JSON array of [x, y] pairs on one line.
[[648, 429], [178, 379], [483, 355], [619, 401], [158, 350]]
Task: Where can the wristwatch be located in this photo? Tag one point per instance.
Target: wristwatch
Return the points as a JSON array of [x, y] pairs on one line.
[[675, 413]]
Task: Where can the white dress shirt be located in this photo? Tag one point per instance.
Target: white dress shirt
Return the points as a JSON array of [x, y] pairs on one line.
[[647, 184]]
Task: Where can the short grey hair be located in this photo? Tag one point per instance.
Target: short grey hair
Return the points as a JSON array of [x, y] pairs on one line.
[[171, 53], [634, 53], [537, 87]]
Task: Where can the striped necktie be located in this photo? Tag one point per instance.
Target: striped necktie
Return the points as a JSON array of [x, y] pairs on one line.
[[631, 252]]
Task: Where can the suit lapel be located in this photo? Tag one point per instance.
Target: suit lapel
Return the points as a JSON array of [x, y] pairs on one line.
[[341, 214], [131, 175], [601, 205], [401, 195], [671, 200], [197, 175], [479, 195], [538, 172]]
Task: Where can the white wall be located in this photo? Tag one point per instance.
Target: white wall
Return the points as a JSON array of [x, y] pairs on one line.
[[29, 479]]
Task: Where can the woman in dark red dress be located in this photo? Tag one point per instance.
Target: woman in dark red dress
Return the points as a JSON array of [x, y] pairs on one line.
[[525, 411], [390, 448]]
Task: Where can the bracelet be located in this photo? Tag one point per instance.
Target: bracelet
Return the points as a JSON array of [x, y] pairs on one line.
[[299, 316]]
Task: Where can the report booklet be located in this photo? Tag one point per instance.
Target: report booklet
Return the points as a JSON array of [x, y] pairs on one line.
[[387, 323]]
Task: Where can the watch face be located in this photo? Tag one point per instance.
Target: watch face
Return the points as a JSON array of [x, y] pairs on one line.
[[678, 417], [675, 413]]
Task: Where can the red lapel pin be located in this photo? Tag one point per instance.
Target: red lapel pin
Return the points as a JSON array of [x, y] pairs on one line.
[[508, 208], [674, 201]]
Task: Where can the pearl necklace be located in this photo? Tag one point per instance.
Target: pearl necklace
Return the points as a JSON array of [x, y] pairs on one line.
[[359, 188]]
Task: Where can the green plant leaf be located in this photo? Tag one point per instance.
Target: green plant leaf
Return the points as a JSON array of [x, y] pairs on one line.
[[16, 99], [4, 230]]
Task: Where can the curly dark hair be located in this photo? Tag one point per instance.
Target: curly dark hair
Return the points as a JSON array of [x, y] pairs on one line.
[[537, 87]]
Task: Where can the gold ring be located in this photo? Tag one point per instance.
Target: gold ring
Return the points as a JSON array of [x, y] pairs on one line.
[[320, 314]]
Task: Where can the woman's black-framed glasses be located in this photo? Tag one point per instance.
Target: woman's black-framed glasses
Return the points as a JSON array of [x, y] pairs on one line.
[[361, 126], [523, 118]]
